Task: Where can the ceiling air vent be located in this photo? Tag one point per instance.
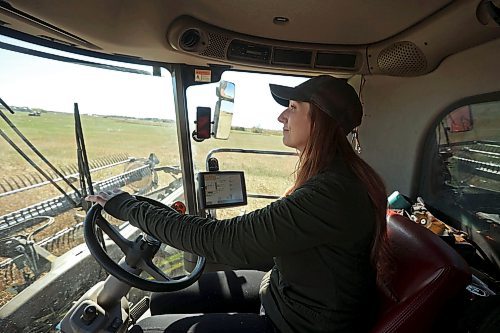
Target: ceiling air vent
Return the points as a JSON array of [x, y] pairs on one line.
[[191, 40], [494, 11], [292, 57], [488, 12], [241, 50], [335, 60]]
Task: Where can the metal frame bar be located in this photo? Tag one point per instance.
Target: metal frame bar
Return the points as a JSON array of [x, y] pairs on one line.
[[20, 219], [248, 151], [70, 176], [184, 139]]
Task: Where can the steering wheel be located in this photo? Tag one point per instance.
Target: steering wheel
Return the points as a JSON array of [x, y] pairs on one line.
[[138, 255]]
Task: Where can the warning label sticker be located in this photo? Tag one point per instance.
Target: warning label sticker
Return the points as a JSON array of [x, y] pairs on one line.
[[202, 75]]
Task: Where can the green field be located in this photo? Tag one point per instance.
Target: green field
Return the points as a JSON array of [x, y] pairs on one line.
[[54, 135]]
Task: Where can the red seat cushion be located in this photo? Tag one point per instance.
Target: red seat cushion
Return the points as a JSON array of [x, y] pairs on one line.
[[428, 273]]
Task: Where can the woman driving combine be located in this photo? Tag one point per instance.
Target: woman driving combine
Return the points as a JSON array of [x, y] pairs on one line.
[[327, 235]]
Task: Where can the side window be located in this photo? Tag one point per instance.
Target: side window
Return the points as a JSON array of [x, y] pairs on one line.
[[469, 143], [462, 173], [128, 121]]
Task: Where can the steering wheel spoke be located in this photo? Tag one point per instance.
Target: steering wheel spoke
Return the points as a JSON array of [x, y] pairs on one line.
[[139, 255], [124, 244], [153, 270]]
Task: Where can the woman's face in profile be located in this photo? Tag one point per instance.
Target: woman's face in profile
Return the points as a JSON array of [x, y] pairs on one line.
[[296, 124]]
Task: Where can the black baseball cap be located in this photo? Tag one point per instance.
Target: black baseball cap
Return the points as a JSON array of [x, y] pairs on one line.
[[332, 95]]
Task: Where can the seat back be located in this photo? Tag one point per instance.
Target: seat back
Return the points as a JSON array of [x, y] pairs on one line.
[[428, 274]]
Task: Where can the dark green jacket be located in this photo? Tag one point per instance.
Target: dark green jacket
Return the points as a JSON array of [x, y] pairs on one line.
[[319, 236]]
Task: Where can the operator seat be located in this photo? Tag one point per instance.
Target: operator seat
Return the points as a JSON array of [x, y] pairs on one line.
[[428, 276]]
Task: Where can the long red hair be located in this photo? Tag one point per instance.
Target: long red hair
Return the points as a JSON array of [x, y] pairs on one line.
[[326, 141]]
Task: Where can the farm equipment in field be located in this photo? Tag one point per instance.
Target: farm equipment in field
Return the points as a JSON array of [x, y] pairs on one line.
[[29, 240], [140, 175], [478, 158], [35, 114]]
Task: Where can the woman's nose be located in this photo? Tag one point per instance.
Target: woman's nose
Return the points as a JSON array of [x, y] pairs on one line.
[[283, 116]]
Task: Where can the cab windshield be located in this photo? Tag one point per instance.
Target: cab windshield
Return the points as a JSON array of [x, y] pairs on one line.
[[58, 109], [77, 120]]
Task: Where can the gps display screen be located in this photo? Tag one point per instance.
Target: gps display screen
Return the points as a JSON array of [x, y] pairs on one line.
[[222, 189]]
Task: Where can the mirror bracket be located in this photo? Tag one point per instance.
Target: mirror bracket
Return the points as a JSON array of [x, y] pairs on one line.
[[195, 137]]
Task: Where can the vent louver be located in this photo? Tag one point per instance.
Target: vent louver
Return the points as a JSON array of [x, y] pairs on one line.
[[190, 40]]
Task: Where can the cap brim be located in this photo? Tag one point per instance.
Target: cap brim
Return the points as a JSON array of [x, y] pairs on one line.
[[281, 94]]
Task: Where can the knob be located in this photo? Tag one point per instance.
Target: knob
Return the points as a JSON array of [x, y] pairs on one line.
[[89, 314]]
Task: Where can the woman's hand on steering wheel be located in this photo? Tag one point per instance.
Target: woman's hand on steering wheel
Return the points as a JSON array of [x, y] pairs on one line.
[[138, 253], [102, 197]]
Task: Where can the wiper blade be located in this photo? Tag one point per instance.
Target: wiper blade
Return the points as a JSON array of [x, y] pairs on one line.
[[39, 154], [84, 169], [83, 163], [34, 165], [6, 106]]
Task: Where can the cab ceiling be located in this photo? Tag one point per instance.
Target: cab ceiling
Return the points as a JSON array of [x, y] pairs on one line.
[[317, 21], [141, 28], [312, 21]]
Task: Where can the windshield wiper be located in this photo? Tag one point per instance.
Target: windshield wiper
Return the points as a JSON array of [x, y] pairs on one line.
[[39, 154], [6, 106], [81, 153], [84, 170]]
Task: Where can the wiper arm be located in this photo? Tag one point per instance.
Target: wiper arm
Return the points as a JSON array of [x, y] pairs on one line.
[[38, 153], [83, 163], [34, 165], [6, 106], [84, 170]]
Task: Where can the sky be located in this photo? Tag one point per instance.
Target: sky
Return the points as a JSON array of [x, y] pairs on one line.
[[54, 85]]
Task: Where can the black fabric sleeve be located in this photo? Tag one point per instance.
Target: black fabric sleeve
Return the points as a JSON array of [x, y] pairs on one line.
[[306, 218]]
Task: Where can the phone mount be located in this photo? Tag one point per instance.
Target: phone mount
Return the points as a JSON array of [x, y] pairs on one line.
[[203, 124]]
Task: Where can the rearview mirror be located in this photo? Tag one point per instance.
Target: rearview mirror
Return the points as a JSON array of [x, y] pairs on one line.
[[225, 90], [223, 115], [222, 119]]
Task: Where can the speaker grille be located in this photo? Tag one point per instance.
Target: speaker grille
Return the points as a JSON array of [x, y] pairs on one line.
[[217, 45], [402, 59]]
